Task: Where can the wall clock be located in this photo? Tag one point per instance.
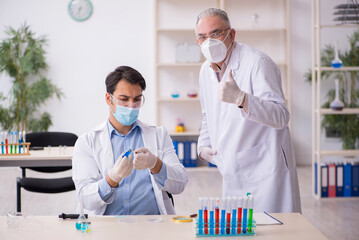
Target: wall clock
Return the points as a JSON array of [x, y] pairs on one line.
[[80, 10]]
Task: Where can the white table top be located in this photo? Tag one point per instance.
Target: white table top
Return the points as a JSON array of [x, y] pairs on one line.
[[54, 156], [295, 226]]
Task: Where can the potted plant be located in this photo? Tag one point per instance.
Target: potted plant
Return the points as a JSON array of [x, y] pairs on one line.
[[22, 57], [347, 125]]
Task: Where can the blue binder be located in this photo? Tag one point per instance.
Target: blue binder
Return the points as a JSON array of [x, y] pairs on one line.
[[324, 180], [340, 180], [355, 180], [187, 154], [175, 145], [347, 179]]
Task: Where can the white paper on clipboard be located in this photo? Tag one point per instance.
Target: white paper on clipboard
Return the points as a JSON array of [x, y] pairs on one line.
[[263, 218]]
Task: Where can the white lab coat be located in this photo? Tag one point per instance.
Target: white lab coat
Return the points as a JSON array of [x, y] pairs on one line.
[[254, 150], [93, 158]]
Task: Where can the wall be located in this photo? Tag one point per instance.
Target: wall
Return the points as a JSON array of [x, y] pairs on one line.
[[81, 54]]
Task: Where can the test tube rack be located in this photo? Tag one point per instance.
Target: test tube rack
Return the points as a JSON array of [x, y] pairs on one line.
[[227, 230], [14, 146]]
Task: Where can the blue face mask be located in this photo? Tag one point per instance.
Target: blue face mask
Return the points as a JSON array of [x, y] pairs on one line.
[[125, 115]]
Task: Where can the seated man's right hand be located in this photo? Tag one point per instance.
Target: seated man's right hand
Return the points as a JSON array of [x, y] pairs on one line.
[[121, 169], [206, 153]]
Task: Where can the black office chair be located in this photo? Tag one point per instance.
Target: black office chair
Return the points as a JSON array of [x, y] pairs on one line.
[[46, 185]]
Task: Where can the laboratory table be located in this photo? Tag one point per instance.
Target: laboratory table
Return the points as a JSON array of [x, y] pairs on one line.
[[50, 157], [294, 226]]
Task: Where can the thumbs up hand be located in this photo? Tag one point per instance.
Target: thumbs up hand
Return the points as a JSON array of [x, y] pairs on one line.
[[228, 91]]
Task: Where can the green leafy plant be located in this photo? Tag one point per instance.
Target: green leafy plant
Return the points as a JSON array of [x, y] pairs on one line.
[[346, 125], [22, 57]]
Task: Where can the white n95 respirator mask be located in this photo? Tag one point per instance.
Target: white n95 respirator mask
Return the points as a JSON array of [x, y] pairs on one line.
[[214, 49]]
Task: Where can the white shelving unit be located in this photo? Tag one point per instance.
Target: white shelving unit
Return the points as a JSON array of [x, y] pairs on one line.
[[317, 112], [174, 22]]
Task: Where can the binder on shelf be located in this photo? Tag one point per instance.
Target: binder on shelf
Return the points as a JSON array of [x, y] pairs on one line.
[[187, 154], [340, 180], [193, 154], [324, 181], [180, 152], [355, 180], [331, 180], [347, 179], [175, 145]]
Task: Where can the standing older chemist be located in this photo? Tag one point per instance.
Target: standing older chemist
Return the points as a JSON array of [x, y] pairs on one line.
[[245, 119], [113, 184]]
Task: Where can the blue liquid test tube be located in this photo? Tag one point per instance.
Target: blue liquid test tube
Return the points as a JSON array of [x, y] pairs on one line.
[[2, 140], [20, 140], [234, 214], [245, 216], [200, 215], [211, 215], [223, 216]]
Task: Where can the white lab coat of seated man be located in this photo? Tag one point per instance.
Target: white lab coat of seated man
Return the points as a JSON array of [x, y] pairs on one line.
[[93, 158]]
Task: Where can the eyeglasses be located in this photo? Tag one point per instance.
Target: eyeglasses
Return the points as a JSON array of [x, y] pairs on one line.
[[126, 102], [215, 35]]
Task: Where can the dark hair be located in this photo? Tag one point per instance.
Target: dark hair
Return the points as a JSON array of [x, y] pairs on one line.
[[124, 73]]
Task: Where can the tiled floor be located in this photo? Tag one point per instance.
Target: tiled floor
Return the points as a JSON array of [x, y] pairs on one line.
[[335, 218]]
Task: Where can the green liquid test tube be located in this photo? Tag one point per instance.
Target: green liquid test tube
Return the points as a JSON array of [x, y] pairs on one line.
[[250, 212]]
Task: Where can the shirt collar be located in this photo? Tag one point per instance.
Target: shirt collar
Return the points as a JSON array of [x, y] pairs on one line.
[[112, 130]]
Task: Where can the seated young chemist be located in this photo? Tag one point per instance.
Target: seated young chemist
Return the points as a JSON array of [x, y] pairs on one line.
[[133, 185]]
